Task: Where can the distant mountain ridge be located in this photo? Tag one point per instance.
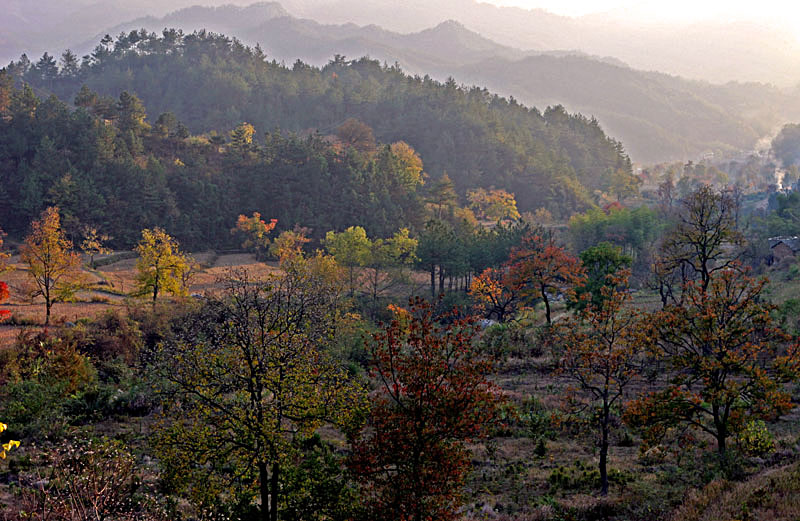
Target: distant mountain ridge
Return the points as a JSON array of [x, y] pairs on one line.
[[657, 117], [221, 19], [717, 51]]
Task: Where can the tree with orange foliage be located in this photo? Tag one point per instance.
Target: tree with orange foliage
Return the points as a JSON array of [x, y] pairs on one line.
[[434, 397], [495, 294], [289, 244], [602, 350], [255, 233], [727, 362], [52, 265], [542, 270]]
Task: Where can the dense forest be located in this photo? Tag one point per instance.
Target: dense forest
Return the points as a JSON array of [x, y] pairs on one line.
[[550, 159]]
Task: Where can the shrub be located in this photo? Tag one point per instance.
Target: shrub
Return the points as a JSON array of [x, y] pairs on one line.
[[109, 337], [535, 421], [40, 373], [584, 477], [755, 439], [89, 480]]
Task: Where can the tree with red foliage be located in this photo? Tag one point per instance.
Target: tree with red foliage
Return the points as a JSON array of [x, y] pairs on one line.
[[4, 313], [541, 269], [433, 398], [726, 360]]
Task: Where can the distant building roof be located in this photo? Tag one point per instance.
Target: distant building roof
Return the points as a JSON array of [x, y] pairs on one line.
[[791, 242]]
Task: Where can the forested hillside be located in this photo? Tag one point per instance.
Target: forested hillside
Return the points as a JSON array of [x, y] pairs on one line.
[[213, 84], [658, 117]]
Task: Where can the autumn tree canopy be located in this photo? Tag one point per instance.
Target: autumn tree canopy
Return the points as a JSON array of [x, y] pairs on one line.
[[4, 313], [161, 266], [495, 294], [726, 361], [351, 249], [433, 398], [493, 204], [544, 270], [254, 232], [94, 243]]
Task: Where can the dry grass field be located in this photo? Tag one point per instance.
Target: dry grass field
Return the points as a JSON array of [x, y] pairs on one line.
[[108, 287]]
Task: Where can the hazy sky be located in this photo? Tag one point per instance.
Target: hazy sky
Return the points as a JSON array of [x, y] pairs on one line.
[[784, 12]]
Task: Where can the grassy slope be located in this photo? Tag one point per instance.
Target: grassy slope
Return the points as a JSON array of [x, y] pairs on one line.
[[771, 495]]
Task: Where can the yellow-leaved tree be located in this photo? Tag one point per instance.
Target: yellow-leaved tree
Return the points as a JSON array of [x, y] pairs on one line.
[[93, 243], [162, 266], [52, 265]]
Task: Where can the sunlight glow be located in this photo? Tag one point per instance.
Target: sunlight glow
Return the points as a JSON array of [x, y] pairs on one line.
[[774, 12]]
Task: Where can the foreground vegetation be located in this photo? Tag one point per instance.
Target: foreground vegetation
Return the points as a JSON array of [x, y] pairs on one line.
[[278, 394]]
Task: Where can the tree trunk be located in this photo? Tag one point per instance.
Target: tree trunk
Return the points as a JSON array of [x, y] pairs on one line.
[[722, 430], [604, 454], [263, 478], [47, 305], [433, 282], [546, 306], [274, 502], [441, 280], [722, 435]]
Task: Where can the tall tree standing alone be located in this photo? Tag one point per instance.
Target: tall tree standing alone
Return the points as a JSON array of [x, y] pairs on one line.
[[52, 265], [602, 345], [161, 265], [704, 241]]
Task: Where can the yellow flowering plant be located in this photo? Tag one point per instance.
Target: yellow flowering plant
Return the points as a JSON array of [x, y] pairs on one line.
[[6, 446]]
